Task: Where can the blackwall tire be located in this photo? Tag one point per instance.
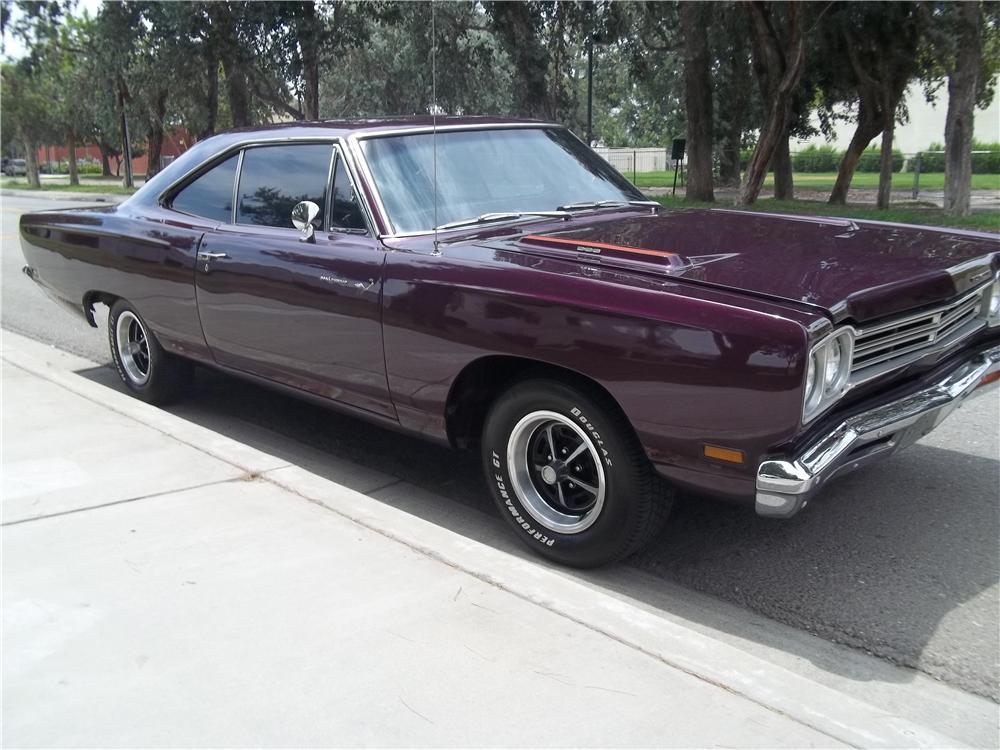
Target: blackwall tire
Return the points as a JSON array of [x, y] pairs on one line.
[[147, 371], [600, 506]]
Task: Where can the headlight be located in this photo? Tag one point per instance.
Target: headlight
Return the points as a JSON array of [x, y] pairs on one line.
[[827, 372]]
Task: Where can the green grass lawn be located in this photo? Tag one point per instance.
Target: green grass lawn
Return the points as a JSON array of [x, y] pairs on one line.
[[913, 213], [824, 181], [113, 187]]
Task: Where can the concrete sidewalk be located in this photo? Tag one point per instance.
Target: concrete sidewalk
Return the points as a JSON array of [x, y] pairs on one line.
[[166, 585]]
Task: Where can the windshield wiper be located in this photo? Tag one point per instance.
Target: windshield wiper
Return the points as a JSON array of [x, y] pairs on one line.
[[605, 204], [501, 216]]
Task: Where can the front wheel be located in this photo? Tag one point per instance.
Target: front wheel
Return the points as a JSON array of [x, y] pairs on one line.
[[146, 370], [569, 475]]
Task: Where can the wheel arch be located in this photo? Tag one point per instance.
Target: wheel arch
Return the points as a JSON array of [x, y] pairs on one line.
[[484, 379], [93, 296]]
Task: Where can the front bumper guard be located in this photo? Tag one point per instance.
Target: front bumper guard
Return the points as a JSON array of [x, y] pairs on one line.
[[785, 485]]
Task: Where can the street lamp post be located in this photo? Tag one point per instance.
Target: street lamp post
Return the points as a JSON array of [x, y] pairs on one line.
[[590, 91]]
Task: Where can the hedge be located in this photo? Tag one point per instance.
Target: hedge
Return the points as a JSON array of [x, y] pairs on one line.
[[988, 163], [827, 159], [82, 167]]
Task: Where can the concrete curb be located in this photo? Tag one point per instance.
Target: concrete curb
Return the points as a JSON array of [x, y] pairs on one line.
[[839, 716], [59, 195]]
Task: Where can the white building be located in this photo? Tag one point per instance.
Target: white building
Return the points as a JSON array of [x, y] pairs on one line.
[[925, 126]]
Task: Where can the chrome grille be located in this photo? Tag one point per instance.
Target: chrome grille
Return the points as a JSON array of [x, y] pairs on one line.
[[889, 342]]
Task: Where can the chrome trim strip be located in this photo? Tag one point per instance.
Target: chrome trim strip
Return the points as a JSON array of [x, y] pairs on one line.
[[327, 209], [784, 484], [236, 185]]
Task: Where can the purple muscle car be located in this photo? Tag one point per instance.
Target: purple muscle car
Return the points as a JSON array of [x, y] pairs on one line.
[[494, 285]]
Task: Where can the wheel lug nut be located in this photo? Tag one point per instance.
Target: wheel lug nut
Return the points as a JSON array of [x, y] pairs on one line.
[[571, 485], [564, 451]]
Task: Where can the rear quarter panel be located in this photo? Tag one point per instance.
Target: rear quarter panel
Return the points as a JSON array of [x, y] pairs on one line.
[[687, 365], [147, 259]]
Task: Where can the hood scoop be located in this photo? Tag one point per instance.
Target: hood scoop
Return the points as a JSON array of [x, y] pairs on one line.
[[623, 256]]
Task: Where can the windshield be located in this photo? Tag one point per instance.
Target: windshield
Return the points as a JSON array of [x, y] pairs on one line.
[[487, 171]]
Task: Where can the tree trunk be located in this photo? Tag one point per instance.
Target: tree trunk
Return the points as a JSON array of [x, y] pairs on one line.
[[733, 105], [698, 99], [155, 137], [238, 92], [212, 105], [866, 129], [781, 165], [963, 80], [516, 27], [105, 160], [885, 157], [30, 161], [729, 157], [309, 47], [74, 177], [788, 71]]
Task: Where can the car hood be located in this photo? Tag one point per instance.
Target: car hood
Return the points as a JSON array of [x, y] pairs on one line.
[[851, 269]]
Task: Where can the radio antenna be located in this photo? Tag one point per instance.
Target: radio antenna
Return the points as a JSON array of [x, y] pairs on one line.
[[434, 121]]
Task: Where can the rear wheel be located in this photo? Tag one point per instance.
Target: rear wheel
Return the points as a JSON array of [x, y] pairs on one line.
[[145, 369], [569, 475]]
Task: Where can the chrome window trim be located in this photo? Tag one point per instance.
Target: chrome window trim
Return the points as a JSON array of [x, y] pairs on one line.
[[236, 185], [166, 195], [340, 152], [329, 187]]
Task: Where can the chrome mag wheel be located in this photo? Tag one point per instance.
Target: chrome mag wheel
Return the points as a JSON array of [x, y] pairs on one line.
[[556, 472], [133, 347]]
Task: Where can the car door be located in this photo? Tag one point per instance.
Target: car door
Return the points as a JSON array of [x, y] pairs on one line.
[[303, 313]]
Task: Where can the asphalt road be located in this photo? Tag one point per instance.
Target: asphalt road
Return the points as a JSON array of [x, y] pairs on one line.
[[900, 560]]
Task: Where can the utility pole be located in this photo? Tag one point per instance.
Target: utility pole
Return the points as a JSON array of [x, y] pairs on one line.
[[590, 91]]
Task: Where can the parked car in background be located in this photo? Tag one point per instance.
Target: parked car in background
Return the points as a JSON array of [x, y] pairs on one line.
[[495, 285], [15, 167]]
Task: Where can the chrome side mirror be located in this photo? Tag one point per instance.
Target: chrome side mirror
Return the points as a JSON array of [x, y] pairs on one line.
[[302, 219]]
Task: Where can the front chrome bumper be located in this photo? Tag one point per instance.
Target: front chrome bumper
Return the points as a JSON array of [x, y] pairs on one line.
[[785, 484]]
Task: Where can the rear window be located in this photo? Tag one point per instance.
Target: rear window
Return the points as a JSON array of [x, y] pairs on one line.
[[210, 195]]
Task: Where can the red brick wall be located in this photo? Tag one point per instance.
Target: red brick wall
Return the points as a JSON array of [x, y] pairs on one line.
[[175, 143]]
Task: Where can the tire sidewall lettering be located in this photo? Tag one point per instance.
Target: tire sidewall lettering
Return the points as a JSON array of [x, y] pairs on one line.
[[499, 479], [585, 422]]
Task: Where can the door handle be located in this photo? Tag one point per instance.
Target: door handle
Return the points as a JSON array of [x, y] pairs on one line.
[[207, 258]]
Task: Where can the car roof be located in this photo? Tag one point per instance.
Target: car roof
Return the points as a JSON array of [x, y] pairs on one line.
[[383, 124]]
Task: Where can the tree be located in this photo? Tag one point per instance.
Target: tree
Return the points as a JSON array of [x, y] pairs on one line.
[[783, 57], [695, 19], [878, 40], [737, 102], [963, 47], [25, 111]]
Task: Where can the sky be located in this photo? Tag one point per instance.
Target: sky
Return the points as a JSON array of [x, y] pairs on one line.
[[13, 48]]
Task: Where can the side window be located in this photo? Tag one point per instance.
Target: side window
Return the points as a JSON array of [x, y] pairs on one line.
[[274, 178], [345, 211], [211, 195]]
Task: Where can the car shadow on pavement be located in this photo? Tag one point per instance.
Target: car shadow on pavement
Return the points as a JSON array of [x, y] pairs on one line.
[[899, 560]]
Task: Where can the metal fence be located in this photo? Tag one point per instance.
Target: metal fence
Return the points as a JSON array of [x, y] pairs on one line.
[[822, 161]]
